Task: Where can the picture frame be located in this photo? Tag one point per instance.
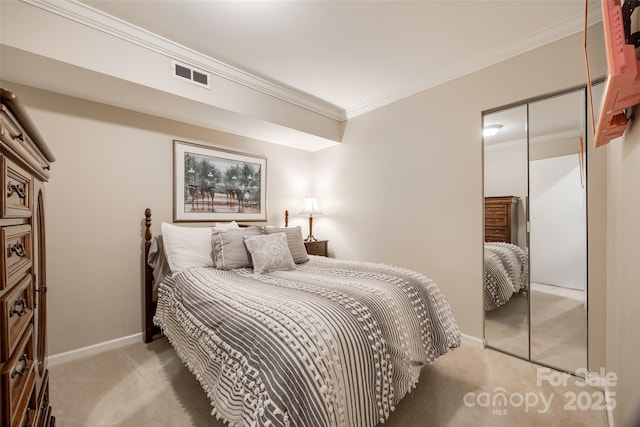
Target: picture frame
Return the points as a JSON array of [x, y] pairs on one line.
[[215, 184]]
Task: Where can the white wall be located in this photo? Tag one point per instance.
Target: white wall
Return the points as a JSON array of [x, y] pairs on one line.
[[405, 186], [558, 241], [505, 171], [623, 272], [111, 165]]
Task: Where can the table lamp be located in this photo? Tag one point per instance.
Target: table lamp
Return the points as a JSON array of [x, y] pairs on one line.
[[310, 207]]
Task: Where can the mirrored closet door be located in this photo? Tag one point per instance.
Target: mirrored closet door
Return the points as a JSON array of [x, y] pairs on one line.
[[535, 216]]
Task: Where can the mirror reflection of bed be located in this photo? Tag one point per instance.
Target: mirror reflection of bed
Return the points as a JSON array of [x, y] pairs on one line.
[[507, 327], [506, 297], [535, 167]]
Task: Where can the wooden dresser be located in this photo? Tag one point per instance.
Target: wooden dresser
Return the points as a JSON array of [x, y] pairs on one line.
[[501, 219], [25, 160]]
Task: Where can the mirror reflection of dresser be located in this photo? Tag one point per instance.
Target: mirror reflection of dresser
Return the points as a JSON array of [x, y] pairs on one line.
[[501, 219]]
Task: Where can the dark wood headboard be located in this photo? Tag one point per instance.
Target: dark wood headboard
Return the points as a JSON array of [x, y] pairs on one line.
[[149, 307]]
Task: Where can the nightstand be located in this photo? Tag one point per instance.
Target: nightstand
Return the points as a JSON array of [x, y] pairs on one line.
[[319, 247]]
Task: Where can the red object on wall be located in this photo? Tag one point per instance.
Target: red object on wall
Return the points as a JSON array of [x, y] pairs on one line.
[[622, 86]]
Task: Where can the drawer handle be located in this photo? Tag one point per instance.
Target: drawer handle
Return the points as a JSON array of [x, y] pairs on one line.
[[45, 401], [15, 188], [17, 249], [19, 303], [19, 136], [24, 359]]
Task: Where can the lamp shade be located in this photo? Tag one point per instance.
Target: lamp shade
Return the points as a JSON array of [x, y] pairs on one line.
[[310, 206]]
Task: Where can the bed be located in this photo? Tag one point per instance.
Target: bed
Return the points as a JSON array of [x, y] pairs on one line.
[[319, 342], [506, 273]]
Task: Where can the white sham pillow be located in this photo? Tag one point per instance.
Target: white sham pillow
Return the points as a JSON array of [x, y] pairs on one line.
[[224, 226], [269, 252], [187, 247]]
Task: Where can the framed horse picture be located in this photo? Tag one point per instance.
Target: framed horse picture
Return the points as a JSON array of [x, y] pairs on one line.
[[214, 184]]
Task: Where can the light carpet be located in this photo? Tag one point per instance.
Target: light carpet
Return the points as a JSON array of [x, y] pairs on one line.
[[142, 385]]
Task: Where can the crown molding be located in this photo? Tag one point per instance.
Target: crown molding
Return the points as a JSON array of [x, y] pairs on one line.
[[98, 20], [567, 134], [91, 17], [485, 59], [504, 145], [572, 133]]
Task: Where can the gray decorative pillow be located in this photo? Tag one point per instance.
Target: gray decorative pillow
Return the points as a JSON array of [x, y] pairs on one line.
[[269, 253], [229, 251], [294, 241]]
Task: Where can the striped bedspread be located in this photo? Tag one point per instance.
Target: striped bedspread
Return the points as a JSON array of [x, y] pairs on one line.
[[332, 343], [506, 272]]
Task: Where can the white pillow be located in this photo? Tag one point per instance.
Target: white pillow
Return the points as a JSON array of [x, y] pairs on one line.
[[269, 252], [224, 226], [187, 247]]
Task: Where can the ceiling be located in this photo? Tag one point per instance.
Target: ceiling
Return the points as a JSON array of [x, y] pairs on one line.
[[355, 55]]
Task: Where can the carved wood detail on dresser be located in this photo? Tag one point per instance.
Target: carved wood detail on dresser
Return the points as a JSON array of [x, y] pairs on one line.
[[501, 219], [24, 162]]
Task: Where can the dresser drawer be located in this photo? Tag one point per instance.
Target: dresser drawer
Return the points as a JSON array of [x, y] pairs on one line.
[[17, 256], [16, 185], [41, 406], [26, 145], [495, 234], [17, 378], [492, 221], [495, 210], [24, 414], [16, 311]]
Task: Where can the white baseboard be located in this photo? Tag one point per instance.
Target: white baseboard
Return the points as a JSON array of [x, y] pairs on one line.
[[605, 390], [595, 379], [472, 341], [69, 356], [80, 353], [610, 417]]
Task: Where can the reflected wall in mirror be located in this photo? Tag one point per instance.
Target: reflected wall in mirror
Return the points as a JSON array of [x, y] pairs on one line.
[[558, 235], [535, 260]]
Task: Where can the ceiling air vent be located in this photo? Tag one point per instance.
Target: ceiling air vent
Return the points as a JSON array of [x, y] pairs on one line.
[[201, 78], [183, 71]]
